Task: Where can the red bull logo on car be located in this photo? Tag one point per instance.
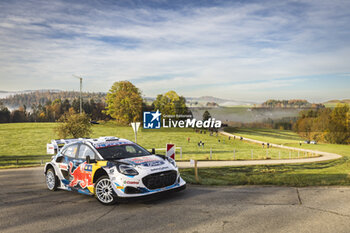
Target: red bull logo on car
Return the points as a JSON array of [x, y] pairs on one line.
[[80, 175]]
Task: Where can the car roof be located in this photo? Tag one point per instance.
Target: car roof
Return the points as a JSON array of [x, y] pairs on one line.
[[97, 143], [103, 144]]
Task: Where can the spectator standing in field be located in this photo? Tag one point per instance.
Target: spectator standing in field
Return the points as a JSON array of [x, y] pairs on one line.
[[188, 139], [263, 145], [268, 145]]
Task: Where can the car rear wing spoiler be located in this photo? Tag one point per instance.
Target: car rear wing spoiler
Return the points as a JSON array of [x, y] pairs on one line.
[[56, 144]]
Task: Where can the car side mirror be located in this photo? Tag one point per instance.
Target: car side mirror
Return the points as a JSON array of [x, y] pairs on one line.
[[88, 160]]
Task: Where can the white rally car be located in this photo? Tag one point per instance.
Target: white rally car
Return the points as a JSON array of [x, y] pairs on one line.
[[111, 168]]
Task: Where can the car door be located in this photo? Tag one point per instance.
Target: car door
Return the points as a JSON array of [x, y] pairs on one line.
[[81, 172], [68, 156]]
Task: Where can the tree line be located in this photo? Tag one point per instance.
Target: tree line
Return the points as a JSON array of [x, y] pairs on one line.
[[123, 102], [42, 97], [293, 103], [326, 124], [52, 111]]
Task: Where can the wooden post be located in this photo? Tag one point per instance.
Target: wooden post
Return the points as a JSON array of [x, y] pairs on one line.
[[196, 171]]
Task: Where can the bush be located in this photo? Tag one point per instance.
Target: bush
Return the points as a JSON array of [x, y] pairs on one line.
[[74, 125]]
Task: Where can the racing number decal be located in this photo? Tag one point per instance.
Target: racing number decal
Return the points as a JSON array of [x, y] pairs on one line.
[[81, 175]]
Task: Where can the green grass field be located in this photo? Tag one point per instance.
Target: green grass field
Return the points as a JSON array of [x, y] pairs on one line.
[[335, 172], [26, 142], [288, 138]]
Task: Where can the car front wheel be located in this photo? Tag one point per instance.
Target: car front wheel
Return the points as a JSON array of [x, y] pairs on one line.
[[51, 180], [104, 191]]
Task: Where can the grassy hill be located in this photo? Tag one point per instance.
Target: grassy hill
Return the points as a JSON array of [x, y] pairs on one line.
[[336, 172]]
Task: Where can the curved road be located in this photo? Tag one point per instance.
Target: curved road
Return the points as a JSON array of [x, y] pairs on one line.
[[324, 157], [27, 206]]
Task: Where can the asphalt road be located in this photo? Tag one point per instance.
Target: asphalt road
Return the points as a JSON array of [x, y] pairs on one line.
[[27, 206]]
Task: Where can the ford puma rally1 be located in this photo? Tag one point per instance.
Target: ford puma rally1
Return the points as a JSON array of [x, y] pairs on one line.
[[111, 168]]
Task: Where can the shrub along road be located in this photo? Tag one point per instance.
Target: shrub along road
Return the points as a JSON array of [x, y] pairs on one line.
[[27, 206]]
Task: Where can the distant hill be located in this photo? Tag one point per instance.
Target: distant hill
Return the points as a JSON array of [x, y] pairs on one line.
[[344, 101], [28, 97], [291, 103], [209, 99], [6, 94], [333, 103], [204, 100]]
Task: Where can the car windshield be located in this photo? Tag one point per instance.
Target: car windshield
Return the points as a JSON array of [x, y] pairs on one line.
[[122, 151]]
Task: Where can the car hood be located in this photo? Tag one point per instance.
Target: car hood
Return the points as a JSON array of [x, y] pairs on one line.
[[150, 161]]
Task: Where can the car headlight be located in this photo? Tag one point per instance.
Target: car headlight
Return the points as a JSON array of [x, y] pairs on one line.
[[127, 170], [171, 161]]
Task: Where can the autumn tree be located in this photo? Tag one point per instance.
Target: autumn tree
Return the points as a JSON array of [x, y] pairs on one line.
[[171, 104], [338, 125], [325, 124], [124, 102], [74, 125]]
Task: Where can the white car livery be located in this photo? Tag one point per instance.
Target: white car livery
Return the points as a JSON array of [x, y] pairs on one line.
[[111, 168]]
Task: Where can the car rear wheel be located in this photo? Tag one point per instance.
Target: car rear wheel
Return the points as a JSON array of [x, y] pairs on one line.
[[51, 180], [104, 191]]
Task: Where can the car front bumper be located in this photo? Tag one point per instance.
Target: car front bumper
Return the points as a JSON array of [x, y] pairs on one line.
[[143, 191]]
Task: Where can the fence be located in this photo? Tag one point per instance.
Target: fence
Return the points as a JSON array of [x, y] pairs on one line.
[[238, 154], [22, 162]]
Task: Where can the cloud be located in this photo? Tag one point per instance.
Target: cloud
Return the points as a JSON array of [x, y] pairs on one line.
[[186, 47]]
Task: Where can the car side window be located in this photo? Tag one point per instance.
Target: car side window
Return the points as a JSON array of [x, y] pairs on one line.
[[71, 151], [84, 151]]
